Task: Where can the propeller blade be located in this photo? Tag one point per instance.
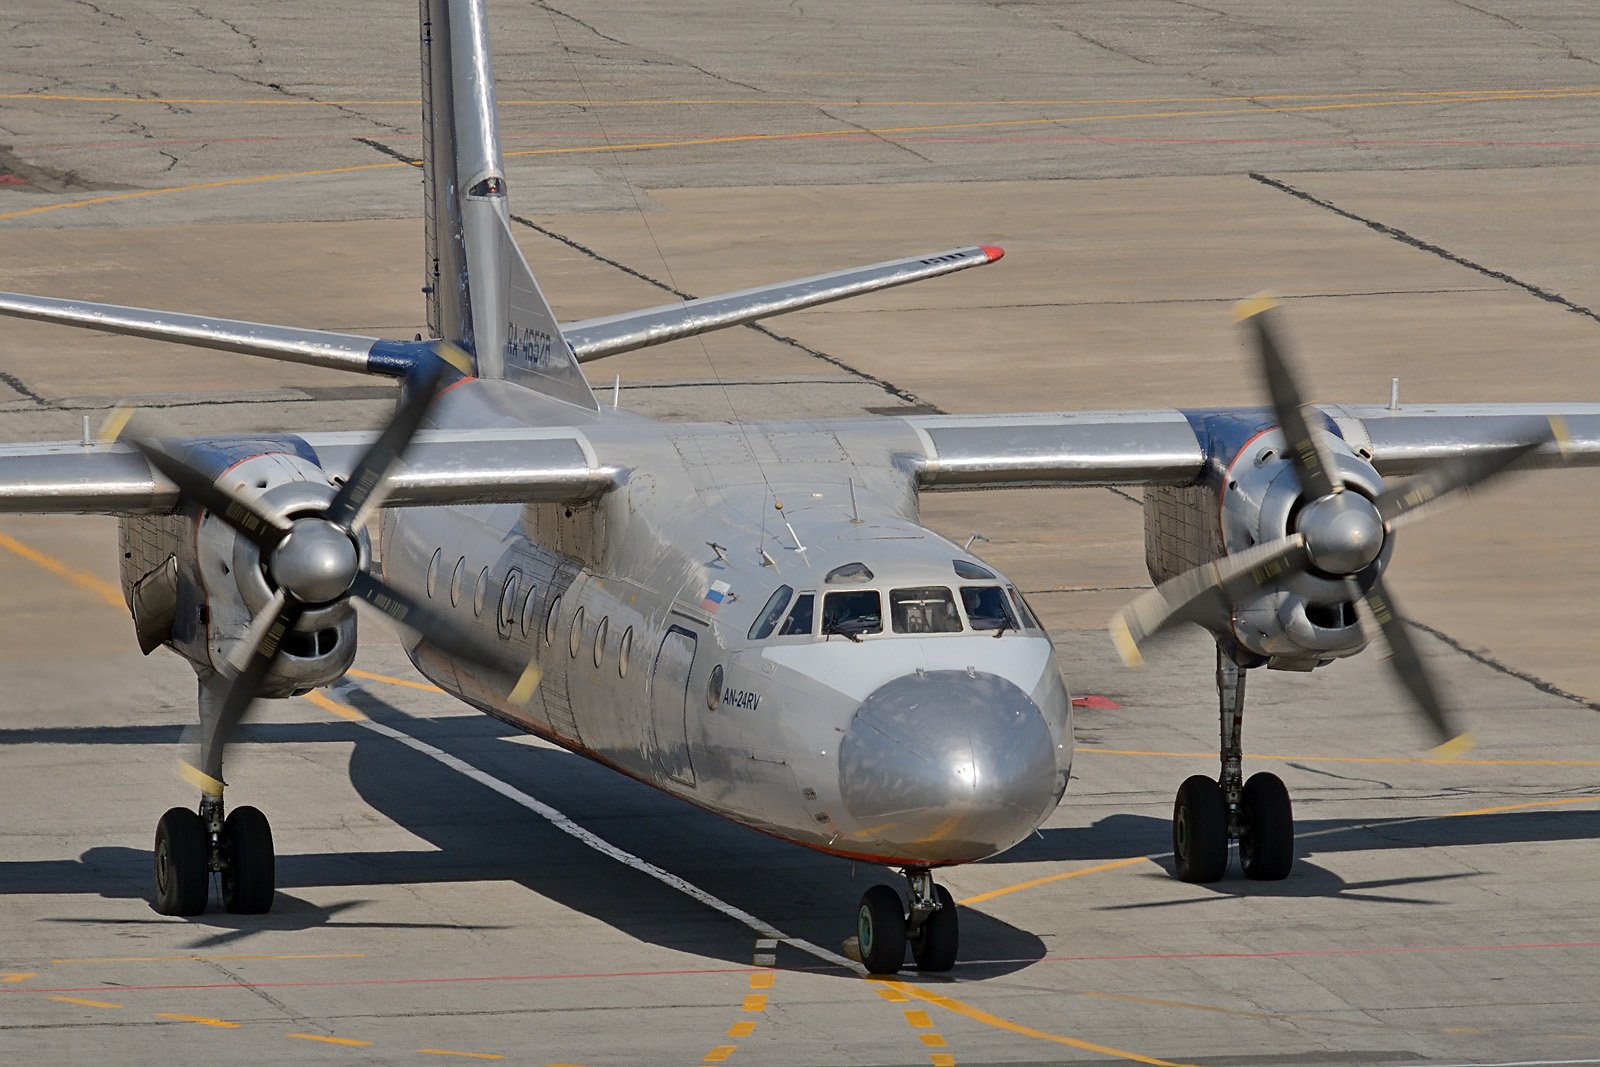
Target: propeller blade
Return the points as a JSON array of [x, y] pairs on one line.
[[349, 507], [280, 616], [1204, 592], [433, 626], [1408, 666], [1411, 499], [244, 515], [1307, 453]]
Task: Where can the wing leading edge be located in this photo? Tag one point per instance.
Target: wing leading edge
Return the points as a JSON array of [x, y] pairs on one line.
[[441, 467]]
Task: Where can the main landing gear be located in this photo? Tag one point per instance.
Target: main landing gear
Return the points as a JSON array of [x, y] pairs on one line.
[[191, 846], [1209, 813], [884, 928]]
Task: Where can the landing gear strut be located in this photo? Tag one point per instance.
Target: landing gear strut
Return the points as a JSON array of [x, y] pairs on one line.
[[190, 847], [1209, 813], [884, 928]]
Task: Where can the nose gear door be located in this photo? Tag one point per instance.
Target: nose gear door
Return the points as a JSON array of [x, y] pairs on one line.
[[669, 704]]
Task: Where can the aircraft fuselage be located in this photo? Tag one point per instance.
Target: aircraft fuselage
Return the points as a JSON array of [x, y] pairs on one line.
[[686, 632]]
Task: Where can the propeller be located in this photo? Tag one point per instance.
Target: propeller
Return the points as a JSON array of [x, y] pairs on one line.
[[1338, 533], [312, 560]]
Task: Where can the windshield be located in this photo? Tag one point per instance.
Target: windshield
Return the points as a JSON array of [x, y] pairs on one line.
[[771, 613], [799, 621], [987, 608], [927, 609], [1023, 609], [859, 611]]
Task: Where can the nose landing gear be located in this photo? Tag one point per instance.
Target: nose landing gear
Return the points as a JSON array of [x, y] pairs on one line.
[[884, 928], [1209, 813]]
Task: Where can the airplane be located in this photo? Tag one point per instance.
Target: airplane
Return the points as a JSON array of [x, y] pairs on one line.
[[748, 616]]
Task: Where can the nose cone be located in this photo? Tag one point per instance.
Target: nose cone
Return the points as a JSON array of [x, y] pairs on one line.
[[947, 766]]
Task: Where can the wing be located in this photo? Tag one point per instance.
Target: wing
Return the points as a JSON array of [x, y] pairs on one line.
[[612, 334], [441, 467], [1172, 447]]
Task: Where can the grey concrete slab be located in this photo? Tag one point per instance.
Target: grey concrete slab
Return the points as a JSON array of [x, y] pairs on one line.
[[421, 911]]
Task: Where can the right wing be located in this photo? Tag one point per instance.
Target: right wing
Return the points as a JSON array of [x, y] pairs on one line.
[[441, 467]]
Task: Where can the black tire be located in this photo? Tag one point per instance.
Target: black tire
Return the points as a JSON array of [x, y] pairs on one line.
[[1266, 828], [182, 863], [935, 946], [1200, 830], [248, 876], [881, 931]]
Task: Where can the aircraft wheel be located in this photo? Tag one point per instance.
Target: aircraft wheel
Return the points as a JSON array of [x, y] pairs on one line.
[[248, 877], [934, 947], [1200, 830], [881, 930], [1266, 832], [182, 863]]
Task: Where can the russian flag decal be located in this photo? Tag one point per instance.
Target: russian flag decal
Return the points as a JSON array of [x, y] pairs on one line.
[[714, 597]]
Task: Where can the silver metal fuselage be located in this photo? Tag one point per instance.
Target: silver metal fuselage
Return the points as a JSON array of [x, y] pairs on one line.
[[909, 749]]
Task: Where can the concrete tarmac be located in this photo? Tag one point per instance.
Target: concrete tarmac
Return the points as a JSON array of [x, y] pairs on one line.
[[1416, 180]]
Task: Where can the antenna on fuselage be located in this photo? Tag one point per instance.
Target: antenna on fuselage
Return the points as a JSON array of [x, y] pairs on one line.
[[855, 512], [797, 545], [974, 536]]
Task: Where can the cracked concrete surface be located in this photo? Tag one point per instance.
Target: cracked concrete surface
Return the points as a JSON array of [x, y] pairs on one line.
[[1404, 935]]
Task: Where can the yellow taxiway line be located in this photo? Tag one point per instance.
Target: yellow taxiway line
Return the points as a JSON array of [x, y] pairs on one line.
[[635, 146]]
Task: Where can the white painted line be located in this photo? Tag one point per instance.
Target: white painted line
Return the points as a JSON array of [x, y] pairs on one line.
[[599, 844]]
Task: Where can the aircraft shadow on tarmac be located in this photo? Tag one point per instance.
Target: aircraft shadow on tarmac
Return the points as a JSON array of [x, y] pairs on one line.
[[479, 835]]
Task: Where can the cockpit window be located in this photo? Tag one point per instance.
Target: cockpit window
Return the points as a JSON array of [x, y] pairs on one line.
[[987, 608], [799, 621], [763, 626], [928, 609], [850, 572], [965, 568], [1026, 613], [860, 611]]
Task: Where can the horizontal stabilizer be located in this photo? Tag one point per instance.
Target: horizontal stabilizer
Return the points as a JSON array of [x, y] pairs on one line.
[[293, 344], [612, 334]]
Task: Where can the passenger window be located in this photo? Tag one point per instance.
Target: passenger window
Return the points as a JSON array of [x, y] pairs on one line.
[[857, 612], [508, 605], [550, 621], [763, 626], [600, 639], [480, 591], [924, 610], [800, 619], [433, 571], [987, 608], [529, 605], [1029, 620], [576, 637], [455, 581]]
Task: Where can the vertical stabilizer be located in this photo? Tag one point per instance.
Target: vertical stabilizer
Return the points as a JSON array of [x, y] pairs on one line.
[[482, 294]]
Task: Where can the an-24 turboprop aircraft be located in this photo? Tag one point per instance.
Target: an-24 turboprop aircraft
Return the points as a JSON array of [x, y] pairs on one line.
[[749, 617]]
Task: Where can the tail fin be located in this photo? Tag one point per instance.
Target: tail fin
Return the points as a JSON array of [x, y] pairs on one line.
[[481, 293]]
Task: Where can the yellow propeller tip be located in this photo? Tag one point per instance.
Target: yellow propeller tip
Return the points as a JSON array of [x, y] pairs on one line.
[[1455, 748], [454, 356], [1251, 306], [115, 423], [526, 685], [208, 785], [1558, 430], [1127, 647]]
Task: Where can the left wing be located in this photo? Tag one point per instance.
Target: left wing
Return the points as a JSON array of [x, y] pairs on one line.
[[1172, 447], [441, 467]]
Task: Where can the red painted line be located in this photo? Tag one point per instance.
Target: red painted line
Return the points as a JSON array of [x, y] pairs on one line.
[[1095, 703], [404, 981], [1382, 950]]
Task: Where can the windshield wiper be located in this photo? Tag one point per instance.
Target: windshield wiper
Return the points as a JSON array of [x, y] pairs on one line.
[[1004, 625]]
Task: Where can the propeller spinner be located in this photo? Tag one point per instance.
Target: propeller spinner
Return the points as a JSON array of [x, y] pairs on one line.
[[1339, 533]]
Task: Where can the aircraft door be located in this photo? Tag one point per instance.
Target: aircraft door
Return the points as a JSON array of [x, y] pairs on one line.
[[669, 704]]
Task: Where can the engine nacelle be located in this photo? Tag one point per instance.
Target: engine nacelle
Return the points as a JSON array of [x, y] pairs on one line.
[[1249, 495], [194, 584]]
